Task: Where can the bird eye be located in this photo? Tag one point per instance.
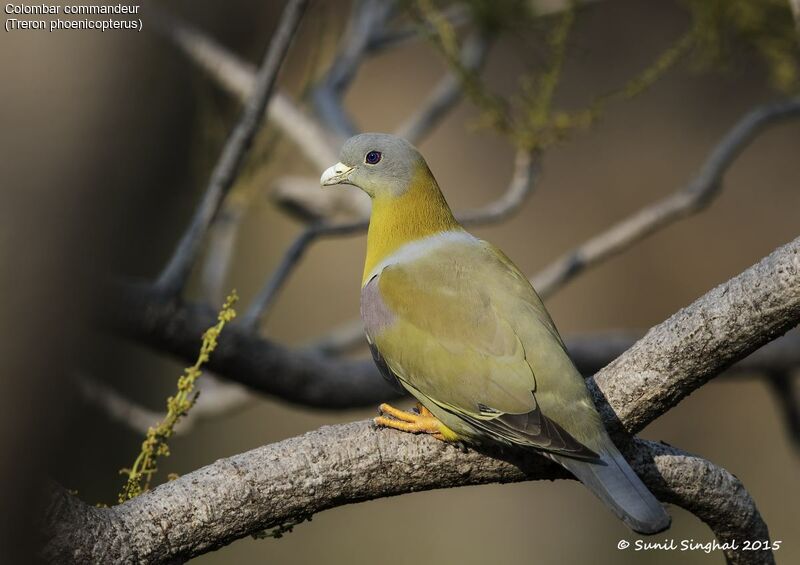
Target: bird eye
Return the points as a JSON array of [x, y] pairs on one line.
[[373, 157]]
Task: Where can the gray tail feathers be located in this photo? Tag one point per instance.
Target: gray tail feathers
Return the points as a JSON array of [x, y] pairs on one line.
[[616, 484]]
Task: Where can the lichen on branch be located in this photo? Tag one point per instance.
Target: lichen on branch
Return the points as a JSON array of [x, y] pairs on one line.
[[527, 117], [155, 444]]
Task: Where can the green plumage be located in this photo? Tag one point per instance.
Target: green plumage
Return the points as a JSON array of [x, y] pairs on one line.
[[465, 320], [456, 323]]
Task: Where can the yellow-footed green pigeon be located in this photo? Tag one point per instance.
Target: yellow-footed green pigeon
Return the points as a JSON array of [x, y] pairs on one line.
[[452, 320]]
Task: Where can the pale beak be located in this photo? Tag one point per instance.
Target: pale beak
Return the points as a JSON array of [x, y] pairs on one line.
[[338, 174]]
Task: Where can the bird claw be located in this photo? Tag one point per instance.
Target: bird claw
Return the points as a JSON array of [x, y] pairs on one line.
[[421, 420]]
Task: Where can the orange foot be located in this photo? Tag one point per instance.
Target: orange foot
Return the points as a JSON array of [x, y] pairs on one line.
[[422, 422]]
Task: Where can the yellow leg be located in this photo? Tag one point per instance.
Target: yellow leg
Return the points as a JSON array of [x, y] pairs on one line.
[[424, 422]]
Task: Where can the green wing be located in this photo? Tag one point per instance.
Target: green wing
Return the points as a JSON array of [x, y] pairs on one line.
[[469, 335]]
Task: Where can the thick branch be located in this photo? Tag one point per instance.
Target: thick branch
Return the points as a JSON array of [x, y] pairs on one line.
[[691, 199], [345, 464], [296, 478], [174, 276], [304, 377], [299, 377], [698, 342]]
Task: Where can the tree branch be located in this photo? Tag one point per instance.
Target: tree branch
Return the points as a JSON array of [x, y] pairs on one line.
[[311, 379], [367, 19], [216, 398], [239, 78], [795, 5], [787, 396], [234, 497], [447, 92], [338, 465], [696, 343], [687, 201], [691, 199], [173, 277], [291, 480]]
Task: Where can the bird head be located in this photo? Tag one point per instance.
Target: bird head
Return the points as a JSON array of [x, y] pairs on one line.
[[378, 163]]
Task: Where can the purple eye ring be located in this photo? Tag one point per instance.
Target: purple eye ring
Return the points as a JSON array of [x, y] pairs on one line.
[[373, 157]]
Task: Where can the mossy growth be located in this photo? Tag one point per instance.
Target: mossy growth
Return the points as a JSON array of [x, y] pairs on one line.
[[718, 30], [155, 444], [727, 31]]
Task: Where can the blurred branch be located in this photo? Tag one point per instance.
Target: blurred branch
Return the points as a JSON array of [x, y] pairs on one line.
[[526, 167], [447, 92], [115, 405], [266, 296], [795, 5], [366, 33], [691, 199], [174, 276], [222, 239], [311, 379], [368, 18], [457, 15], [315, 141], [787, 395], [523, 180], [239, 78], [346, 337], [217, 398], [247, 493]]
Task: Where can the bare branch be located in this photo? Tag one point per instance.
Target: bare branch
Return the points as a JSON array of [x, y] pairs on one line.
[[311, 379], [217, 398], [116, 406], [351, 463], [173, 277], [266, 296], [367, 18], [296, 478], [787, 395], [447, 93], [344, 338], [239, 78], [247, 493], [795, 5], [316, 143], [691, 199], [523, 180], [222, 239], [457, 15], [302, 198], [696, 343]]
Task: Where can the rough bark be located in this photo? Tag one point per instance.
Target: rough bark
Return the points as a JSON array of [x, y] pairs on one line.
[[289, 481], [338, 465]]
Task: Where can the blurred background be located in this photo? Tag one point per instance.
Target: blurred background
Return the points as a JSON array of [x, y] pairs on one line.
[[106, 144]]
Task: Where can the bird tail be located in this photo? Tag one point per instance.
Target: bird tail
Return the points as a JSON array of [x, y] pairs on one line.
[[616, 484]]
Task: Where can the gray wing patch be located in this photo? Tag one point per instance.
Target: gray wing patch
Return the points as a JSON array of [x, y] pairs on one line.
[[374, 312], [384, 369], [533, 429]]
